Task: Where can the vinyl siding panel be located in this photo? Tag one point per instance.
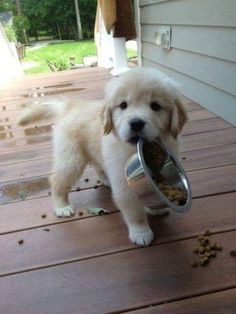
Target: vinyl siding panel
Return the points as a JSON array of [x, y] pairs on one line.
[[218, 42], [203, 54], [217, 73], [191, 12], [221, 103]]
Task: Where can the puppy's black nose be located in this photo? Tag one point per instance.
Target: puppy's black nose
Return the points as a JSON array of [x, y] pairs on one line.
[[137, 125]]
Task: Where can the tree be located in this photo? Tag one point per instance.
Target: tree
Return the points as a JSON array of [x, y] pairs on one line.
[[58, 18], [21, 25], [80, 33], [18, 7]]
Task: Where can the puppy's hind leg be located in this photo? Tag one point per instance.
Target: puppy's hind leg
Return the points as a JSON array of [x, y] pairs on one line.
[[68, 167]]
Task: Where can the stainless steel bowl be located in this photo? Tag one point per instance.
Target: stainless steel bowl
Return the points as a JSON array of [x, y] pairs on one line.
[[141, 181]]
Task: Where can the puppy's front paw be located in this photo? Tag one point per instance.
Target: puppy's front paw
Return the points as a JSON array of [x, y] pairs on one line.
[[141, 235], [66, 211], [157, 212]]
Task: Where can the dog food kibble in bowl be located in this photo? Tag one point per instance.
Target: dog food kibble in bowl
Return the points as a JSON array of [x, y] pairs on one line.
[[157, 177], [157, 159]]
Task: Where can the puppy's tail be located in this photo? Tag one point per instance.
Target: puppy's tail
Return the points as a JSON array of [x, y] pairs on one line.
[[41, 111]]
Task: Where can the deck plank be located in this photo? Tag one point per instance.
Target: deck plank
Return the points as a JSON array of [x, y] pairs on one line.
[[189, 142], [209, 157], [119, 282], [218, 303], [35, 187], [86, 264], [30, 210], [209, 139], [45, 151], [100, 235], [205, 125], [213, 181], [204, 182], [195, 159]]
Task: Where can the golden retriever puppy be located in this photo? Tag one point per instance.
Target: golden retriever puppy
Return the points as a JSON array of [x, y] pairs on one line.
[[142, 103]]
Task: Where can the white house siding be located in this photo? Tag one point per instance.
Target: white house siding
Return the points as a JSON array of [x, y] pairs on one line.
[[203, 53]]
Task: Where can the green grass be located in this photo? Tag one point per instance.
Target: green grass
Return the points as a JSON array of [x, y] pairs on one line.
[[56, 52], [61, 52]]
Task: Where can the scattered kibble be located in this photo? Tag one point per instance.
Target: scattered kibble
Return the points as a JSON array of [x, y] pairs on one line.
[[46, 229], [86, 180], [49, 193], [204, 261], [78, 189], [81, 213], [202, 250], [43, 216], [207, 233], [213, 246], [206, 250], [233, 253], [21, 241], [213, 253], [203, 242], [194, 263]]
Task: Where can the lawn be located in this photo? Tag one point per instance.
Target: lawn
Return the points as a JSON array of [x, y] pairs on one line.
[[60, 52]]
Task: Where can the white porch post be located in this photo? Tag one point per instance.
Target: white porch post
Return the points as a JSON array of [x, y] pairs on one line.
[[111, 51]]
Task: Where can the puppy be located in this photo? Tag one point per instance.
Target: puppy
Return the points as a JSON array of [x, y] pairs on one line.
[[142, 103]]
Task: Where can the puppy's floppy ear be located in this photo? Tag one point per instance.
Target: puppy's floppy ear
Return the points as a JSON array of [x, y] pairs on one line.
[[107, 120], [178, 118]]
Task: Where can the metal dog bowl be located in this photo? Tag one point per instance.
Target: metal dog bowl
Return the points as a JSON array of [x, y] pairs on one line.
[[147, 188]]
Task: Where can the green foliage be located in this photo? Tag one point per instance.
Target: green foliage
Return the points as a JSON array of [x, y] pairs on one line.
[[61, 65], [7, 5], [20, 23], [9, 30], [58, 18], [54, 18]]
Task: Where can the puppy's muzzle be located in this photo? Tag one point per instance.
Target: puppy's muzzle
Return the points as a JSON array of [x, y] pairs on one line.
[[137, 125]]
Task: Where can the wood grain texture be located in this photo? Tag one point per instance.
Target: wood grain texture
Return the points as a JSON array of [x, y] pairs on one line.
[[205, 125], [213, 181], [38, 186], [86, 264], [209, 139], [119, 282], [45, 151], [217, 303], [209, 157], [86, 238], [30, 210]]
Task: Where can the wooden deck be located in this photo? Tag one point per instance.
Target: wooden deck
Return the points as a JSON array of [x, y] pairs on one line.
[[86, 264]]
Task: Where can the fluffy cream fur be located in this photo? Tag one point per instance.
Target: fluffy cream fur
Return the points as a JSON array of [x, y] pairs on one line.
[[100, 133]]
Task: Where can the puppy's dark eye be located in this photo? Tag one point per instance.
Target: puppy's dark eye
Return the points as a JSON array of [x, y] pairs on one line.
[[155, 106], [123, 105]]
